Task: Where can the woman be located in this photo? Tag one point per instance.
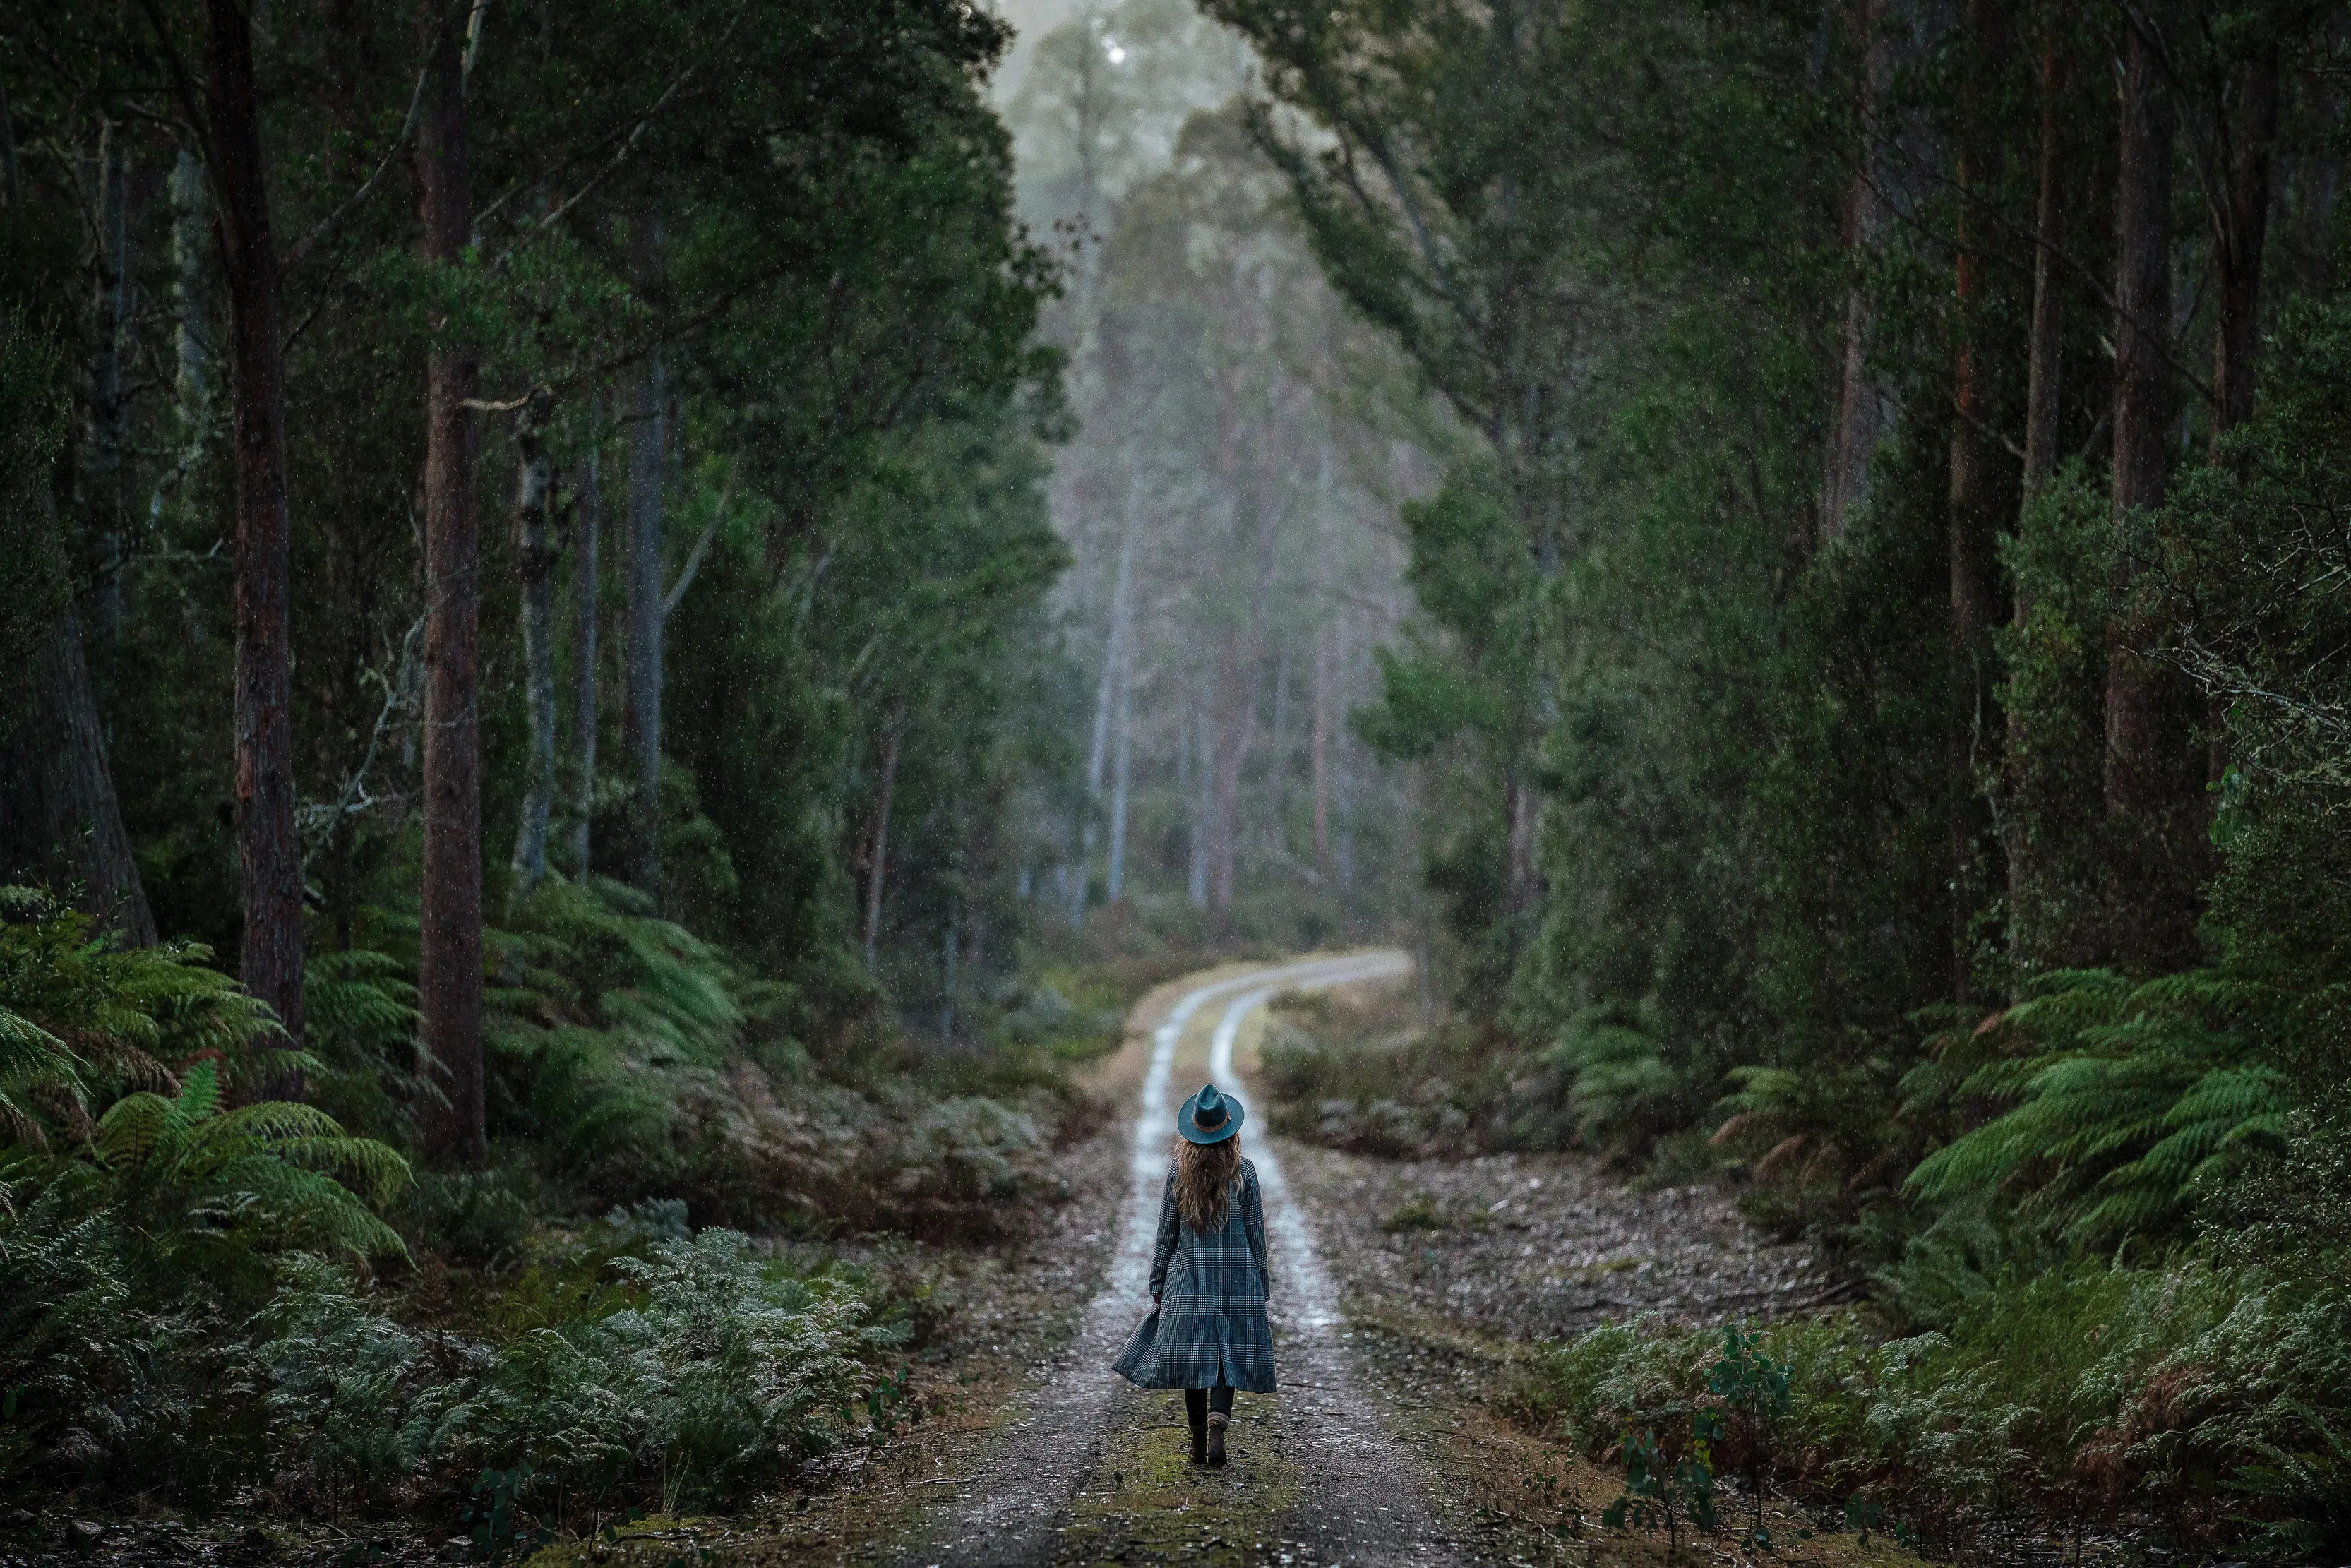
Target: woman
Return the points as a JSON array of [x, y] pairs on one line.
[[1206, 1334]]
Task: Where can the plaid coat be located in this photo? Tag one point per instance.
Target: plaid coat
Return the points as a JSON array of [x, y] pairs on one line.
[[1210, 1326]]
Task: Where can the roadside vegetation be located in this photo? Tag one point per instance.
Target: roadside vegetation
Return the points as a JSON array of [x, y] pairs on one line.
[[1874, 690]]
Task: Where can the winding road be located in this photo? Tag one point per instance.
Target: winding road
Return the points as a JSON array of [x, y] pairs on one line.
[[1316, 1476]]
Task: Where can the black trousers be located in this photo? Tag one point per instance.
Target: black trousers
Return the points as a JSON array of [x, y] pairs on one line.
[[1198, 1401]]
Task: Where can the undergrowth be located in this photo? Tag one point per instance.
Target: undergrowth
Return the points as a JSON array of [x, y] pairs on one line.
[[2209, 1400]]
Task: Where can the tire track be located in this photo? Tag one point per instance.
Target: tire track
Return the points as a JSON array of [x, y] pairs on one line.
[[1017, 1497]]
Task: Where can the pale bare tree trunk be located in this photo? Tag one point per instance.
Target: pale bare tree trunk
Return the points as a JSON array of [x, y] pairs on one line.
[[1237, 662], [1115, 641], [583, 675], [1318, 749], [2154, 774], [536, 553], [878, 860], [1122, 779], [269, 850], [450, 1112], [1199, 745], [1855, 436], [642, 716]]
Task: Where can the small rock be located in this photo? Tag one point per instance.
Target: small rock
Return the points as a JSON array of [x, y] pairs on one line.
[[258, 1541], [83, 1535], [457, 1549], [21, 1518]]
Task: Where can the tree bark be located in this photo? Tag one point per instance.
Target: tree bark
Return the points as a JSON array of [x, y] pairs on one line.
[[2154, 772], [583, 673], [1855, 436], [269, 850], [192, 374], [2240, 236], [450, 1109], [1974, 528], [878, 858], [104, 509], [2028, 813], [1319, 748], [1122, 779], [537, 554], [642, 716], [1237, 665], [2043, 367], [59, 822]]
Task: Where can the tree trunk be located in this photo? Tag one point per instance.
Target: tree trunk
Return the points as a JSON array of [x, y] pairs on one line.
[[1200, 741], [2240, 235], [1121, 779], [192, 377], [1854, 439], [583, 673], [59, 822], [2029, 814], [1319, 748], [1974, 528], [103, 508], [2154, 774], [1113, 640], [642, 716], [536, 553], [450, 1109], [878, 858], [269, 850], [2042, 373]]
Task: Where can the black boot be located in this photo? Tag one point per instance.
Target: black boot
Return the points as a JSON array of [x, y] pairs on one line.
[[1215, 1441], [1199, 1419]]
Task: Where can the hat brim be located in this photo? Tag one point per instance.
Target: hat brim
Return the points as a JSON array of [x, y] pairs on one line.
[[1187, 1126]]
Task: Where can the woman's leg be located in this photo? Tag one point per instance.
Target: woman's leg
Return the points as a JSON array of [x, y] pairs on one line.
[[1220, 1411], [1195, 1412]]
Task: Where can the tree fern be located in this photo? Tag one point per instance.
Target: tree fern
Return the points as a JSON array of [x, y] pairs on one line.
[[2122, 1101], [191, 1171]]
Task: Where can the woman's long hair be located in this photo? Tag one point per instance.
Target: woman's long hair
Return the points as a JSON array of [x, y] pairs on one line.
[[1205, 1177]]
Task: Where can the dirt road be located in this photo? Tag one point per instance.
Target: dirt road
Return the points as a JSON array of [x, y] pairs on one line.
[[1094, 1471]]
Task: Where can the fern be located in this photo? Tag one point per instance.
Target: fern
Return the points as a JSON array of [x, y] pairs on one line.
[[191, 1171], [122, 1014], [2124, 1101]]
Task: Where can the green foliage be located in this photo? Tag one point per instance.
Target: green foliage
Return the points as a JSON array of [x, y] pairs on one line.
[[192, 1176], [1668, 1489], [2125, 1102], [87, 1016], [2171, 1390]]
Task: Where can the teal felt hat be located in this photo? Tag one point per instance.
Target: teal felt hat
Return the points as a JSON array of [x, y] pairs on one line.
[[1210, 1116]]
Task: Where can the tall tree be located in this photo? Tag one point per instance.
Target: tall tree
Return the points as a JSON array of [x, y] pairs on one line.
[[2154, 771], [1854, 435], [641, 643], [586, 581], [450, 1109], [270, 849], [1973, 527], [536, 553]]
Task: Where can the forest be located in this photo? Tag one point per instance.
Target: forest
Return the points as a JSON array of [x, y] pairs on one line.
[[639, 643]]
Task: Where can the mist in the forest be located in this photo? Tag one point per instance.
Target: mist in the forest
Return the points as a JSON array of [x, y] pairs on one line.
[[1228, 498]]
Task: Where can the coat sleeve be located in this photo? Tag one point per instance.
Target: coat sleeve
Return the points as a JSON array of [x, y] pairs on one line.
[[1171, 1220], [1253, 1222]]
